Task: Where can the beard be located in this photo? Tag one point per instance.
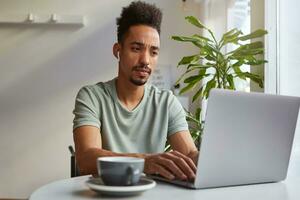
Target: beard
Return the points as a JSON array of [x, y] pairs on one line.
[[138, 82], [141, 80]]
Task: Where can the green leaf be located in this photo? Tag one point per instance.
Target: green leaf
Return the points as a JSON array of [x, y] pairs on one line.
[[189, 69], [197, 44], [197, 40], [231, 82], [231, 36], [192, 79], [185, 39], [255, 34], [254, 48], [251, 46], [196, 134], [202, 38], [188, 87], [192, 66], [198, 66], [197, 95], [254, 45], [210, 58], [245, 58], [230, 32], [209, 85], [193, 20], [249, 52], [202, 72], [241, 75], [197, 78], [238, 64], [210, 64], [203, 52], [198, 113], [254, 77], [195, 131], [189, 60], [256, 62], [190, 118], [236, 69]]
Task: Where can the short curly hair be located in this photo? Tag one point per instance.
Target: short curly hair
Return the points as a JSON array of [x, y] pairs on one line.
[[138, 13]]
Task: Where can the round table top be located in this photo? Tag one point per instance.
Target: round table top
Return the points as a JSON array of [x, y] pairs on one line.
[[76, 188]]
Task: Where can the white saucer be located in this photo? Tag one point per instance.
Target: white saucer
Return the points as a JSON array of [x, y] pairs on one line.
[[97, 185]]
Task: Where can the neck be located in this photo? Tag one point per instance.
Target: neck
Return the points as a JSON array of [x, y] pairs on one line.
[[130, 95]]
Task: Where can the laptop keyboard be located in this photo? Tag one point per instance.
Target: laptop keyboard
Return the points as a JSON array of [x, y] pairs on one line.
[[176, 182]]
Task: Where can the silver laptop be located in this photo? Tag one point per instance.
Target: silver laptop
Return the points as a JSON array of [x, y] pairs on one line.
[[247, 139]]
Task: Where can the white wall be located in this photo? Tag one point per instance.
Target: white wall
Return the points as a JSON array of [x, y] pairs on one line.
[[271, 47], [283, 48], [41, 70], [289, 58], [289, 44]]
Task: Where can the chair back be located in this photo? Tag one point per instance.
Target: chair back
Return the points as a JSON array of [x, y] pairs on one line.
[[73, 166]]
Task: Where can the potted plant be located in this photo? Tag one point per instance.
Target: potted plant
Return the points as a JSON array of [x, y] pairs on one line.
[[212, 67]]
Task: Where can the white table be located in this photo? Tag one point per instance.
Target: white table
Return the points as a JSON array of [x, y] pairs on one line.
[[75, 188]]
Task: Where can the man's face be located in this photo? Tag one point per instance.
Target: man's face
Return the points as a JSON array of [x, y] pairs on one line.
[[138, 54]]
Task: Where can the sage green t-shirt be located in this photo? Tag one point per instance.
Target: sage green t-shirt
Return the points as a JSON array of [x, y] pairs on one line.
[[142, 130]]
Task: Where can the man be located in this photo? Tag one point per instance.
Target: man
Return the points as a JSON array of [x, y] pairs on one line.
[[127, 117]]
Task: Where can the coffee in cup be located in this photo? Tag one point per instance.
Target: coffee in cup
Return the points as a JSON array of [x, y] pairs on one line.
[[120, 171]]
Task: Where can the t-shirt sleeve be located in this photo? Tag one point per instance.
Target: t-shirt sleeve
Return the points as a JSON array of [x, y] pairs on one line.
[[86, 111], [177, 120]]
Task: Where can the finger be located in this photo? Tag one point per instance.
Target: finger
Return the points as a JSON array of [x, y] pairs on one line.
[[152, 162], [160, 170], [172, 167], [187, 159], [151, 167], [182, 164]]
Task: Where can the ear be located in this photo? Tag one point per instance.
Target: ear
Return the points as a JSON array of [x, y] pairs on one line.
[[116, 49]]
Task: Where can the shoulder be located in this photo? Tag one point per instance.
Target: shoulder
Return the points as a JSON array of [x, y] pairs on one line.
[[97, 90]]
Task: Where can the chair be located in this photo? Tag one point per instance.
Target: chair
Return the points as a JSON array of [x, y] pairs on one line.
[[74, 167]]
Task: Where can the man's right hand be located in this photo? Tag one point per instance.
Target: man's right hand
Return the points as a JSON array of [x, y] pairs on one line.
[[171, 165]]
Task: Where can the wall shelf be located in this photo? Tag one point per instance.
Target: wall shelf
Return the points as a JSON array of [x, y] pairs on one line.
[[46, 19]]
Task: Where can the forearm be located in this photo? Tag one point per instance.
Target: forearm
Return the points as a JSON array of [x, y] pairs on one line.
[[183, 142], [87, 160], [165, 164]]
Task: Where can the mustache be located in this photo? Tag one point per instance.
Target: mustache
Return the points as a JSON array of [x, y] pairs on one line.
[[142, 68]]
